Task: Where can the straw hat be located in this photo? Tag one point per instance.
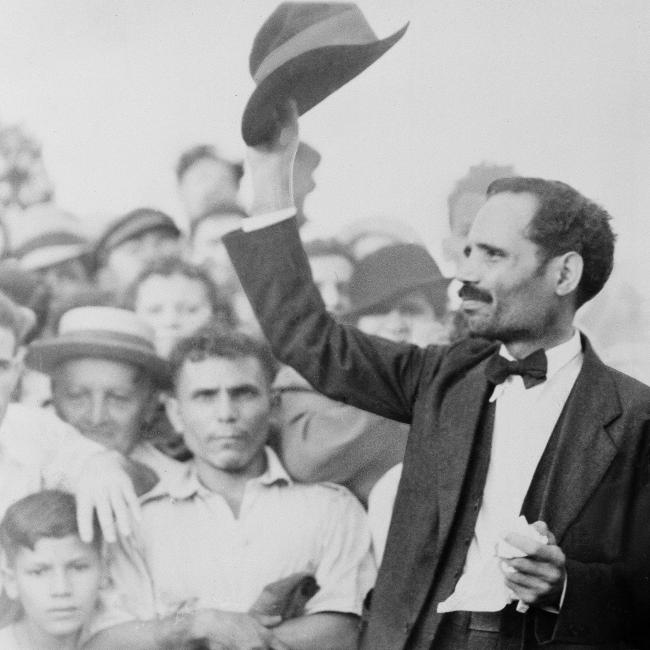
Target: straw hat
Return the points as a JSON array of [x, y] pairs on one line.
[[104, 332], [306, 51]]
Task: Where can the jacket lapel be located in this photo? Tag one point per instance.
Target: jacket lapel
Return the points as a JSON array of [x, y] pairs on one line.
[[459, 420], [585, 449]]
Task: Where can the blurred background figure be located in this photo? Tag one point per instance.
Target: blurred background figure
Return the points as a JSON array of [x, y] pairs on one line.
[[206, 249], [28, 289], [206, 179], [332, 266], [464, 201], [365, 236], [176, 298], [24, 181], [306, 163], [206, 246], [132, 242], [398, 292], [60, 257]]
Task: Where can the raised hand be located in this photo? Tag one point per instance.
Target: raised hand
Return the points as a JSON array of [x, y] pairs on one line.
[[271, 163]]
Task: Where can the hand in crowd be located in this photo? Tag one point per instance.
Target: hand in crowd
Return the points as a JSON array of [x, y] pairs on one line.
[[538, 578], [105, 487], [235, 631], [271, 163]]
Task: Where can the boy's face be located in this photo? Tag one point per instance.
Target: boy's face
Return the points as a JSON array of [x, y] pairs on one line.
[[56, 583]]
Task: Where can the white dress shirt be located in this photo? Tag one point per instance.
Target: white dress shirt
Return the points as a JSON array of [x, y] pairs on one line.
[[523, 422]]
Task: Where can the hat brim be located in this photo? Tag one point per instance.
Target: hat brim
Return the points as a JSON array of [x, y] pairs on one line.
[[308, 79], [46, 355]]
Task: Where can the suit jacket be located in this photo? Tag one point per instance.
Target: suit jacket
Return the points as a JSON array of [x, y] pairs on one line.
[[595, 499]]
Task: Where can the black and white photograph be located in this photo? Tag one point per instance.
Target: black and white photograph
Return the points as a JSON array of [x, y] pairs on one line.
[[324, 325]]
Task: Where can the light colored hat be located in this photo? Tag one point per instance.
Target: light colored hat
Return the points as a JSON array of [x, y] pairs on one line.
[[306, 51], [105, 332]]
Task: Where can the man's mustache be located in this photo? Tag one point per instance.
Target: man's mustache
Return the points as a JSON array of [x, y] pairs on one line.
[[470, 292]]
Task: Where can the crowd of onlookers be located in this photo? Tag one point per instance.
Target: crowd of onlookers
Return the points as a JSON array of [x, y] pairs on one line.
[[264, 505]]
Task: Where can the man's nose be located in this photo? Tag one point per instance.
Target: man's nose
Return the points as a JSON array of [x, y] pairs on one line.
[[467, 268], [98, 409], [60, 584], [225, 407]]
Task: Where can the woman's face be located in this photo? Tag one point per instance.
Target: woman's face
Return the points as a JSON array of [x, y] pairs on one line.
[[175, 306], [407, 319]]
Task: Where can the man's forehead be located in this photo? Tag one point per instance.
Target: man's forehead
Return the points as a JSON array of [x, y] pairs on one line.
[[505, 213], [226, 372]]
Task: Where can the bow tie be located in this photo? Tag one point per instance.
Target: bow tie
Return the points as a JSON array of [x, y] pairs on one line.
[[532, 369]]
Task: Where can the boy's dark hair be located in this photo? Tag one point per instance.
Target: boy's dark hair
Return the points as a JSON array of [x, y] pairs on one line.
[[50, 513], [169, 266], [213, 341]]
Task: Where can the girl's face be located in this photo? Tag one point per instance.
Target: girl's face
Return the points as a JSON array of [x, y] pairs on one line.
[[175, 306]]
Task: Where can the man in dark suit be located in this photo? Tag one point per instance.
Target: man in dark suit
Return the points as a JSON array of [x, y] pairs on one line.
[[520, 419]]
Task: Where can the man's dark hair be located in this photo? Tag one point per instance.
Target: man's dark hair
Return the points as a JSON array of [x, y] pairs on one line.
[[567, 221], [169, 266], [477, 180], [201, 152], [212, 341], [50, 513], [322, 247]]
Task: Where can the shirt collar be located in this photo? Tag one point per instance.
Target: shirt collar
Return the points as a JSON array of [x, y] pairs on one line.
[[556, 357], [189, 485]]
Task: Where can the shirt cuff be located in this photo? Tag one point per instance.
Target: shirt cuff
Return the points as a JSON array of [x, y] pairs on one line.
[[266, 219]]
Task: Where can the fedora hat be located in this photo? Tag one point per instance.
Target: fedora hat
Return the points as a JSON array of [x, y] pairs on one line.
[[390, 272], [306, 51], [104, 332]]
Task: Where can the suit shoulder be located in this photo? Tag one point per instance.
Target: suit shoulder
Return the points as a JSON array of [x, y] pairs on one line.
[[631, 391]]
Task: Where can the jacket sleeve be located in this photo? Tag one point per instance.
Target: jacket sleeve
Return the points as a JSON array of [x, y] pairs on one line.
[[368, 372]]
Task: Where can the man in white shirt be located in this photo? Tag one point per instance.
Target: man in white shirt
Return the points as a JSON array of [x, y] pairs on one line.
[[218, 544], [555, 435]]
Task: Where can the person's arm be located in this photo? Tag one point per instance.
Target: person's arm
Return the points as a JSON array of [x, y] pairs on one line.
[[318, 631], [368, 372], [324, 440], [217, 629]]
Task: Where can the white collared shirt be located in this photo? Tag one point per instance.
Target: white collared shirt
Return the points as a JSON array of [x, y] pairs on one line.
[[192, 551], [523, 422]]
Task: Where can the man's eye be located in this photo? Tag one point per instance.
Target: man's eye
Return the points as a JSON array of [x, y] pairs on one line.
[[80, 566], [467, 251], [37, 572]]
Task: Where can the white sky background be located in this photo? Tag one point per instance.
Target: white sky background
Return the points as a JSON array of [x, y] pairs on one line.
[[116, 89]]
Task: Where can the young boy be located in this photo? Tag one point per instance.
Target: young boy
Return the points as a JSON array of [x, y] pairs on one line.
[[49, 572]]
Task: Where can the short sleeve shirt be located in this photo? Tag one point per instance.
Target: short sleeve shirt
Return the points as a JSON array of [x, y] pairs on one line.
[[192, 552]]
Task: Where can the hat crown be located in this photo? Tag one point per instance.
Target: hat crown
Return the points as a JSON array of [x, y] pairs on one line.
[[292, 18], [110, 321], [387, 272]]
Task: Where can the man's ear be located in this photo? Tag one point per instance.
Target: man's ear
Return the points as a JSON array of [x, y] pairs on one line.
[[569, 273], [172, 408]]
